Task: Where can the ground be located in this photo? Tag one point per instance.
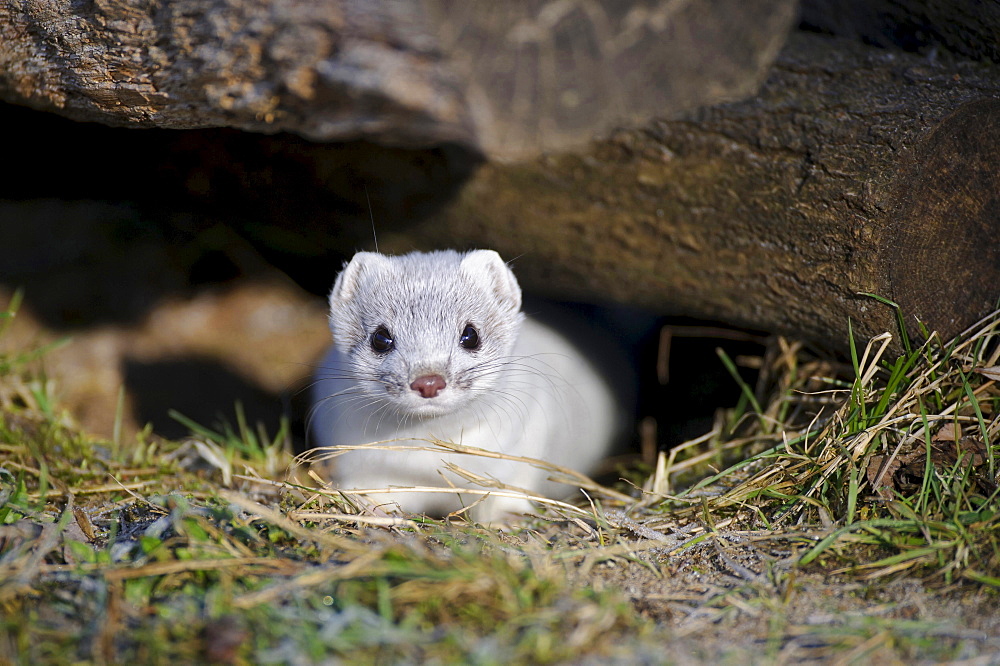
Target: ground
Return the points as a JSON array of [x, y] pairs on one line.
[[844, 512]]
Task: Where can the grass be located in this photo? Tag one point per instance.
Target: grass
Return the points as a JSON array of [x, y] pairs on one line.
[[871, 482], [902, 457]]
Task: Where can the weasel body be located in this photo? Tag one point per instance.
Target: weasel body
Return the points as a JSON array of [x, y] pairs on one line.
[[434, 345]]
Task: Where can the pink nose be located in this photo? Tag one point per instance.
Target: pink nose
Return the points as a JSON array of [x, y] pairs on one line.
[[428, 386]]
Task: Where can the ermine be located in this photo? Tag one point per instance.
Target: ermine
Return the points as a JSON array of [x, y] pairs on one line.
[[435, 346]]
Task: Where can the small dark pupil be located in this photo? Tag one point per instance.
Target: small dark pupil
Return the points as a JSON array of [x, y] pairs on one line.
[[382, 340], [470, 338]]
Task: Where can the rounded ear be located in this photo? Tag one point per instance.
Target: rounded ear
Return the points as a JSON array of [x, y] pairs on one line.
[[486, 266], [346, 285]]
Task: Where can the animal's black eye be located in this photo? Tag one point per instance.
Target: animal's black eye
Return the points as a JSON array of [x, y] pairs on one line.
[[470, 337], [382, 341]]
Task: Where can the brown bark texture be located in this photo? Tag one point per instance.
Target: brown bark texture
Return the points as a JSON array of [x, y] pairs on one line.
[[512, 79], [548, 76], [854, 171], [326, 70], [969, 28]]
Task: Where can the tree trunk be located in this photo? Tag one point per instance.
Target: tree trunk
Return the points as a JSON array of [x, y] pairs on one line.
[[969, 28], [334, 69], [854, 171], [509, 78]]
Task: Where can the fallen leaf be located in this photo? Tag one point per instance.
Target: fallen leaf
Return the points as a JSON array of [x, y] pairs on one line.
[[946, 433]]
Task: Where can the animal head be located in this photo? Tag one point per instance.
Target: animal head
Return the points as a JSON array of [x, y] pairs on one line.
[[429, 332]]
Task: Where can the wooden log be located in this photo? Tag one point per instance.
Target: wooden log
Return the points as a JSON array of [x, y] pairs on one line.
[[543, 76], [855, 170], [326, 70], [511, 79], [936, 28]]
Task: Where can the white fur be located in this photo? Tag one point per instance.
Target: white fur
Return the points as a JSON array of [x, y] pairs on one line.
[[525, 392]]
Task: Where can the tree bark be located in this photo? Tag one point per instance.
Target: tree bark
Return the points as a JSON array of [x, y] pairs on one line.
[[335, 69], [543, 76], [969, 28], [511, 79], [854, 171]]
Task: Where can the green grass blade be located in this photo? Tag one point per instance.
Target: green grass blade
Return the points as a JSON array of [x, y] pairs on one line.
[[745, 389]]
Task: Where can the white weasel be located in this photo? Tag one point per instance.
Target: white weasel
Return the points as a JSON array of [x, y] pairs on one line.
[[434, 345]]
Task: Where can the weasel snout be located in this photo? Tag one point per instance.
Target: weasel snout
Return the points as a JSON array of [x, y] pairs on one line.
[[428, 386]]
